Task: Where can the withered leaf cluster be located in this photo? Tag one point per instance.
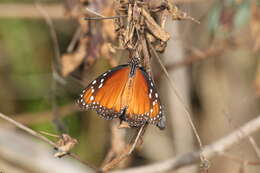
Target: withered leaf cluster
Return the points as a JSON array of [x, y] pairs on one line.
[[145, 26], [93, 37], [139, 25]]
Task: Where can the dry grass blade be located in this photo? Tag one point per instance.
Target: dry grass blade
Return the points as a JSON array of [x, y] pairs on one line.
[[28, 130], [180, 98]]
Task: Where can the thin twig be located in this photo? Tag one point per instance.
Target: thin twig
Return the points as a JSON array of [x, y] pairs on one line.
[[32, 132], [54, 37], [254, 145], [117, 142], [250, 138], [74, 40], [179, 96], [128, 150], [103, 18], [56, 68], [49, 134], [209, 151], [40, 117], [94, 12], [43, 138]]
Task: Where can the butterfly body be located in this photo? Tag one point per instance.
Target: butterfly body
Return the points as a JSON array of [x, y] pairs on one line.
[[126, 92]]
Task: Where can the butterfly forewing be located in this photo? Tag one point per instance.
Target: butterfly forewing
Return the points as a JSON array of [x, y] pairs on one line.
[[102, 93]]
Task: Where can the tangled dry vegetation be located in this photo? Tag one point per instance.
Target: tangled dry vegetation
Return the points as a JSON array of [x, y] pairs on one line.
[[111, 30]]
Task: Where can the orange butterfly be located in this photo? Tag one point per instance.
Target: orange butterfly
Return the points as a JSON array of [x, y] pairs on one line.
[[125, 92]]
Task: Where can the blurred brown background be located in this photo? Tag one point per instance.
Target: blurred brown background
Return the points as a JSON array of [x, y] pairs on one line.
[[214, 65]]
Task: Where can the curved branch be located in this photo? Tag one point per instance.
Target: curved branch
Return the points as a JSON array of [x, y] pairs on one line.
[[209, 151]]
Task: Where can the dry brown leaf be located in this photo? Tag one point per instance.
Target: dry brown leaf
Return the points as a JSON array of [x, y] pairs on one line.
[[106, 51], [64, 145], [108, 27], [154, 28], [177, 14], [70, 61]]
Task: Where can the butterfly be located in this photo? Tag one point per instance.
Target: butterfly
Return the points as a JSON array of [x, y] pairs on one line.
[[126, 92]]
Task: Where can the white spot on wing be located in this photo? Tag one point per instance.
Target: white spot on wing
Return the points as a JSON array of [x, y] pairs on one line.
[[156, 95], [91, 98], [100, 85], [94, 82]]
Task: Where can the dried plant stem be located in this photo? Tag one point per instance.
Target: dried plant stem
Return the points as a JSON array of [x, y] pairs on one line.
[[117, 142], [128, 150], [178, 95], [43, 138], [74, 40], [32, 132], [250, 138], [210, 151], [54, 37], [94, 12], [254, 145], [104, 18], [56, 68]]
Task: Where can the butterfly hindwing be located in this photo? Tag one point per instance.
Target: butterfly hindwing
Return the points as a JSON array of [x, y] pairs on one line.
[[144, 105]]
